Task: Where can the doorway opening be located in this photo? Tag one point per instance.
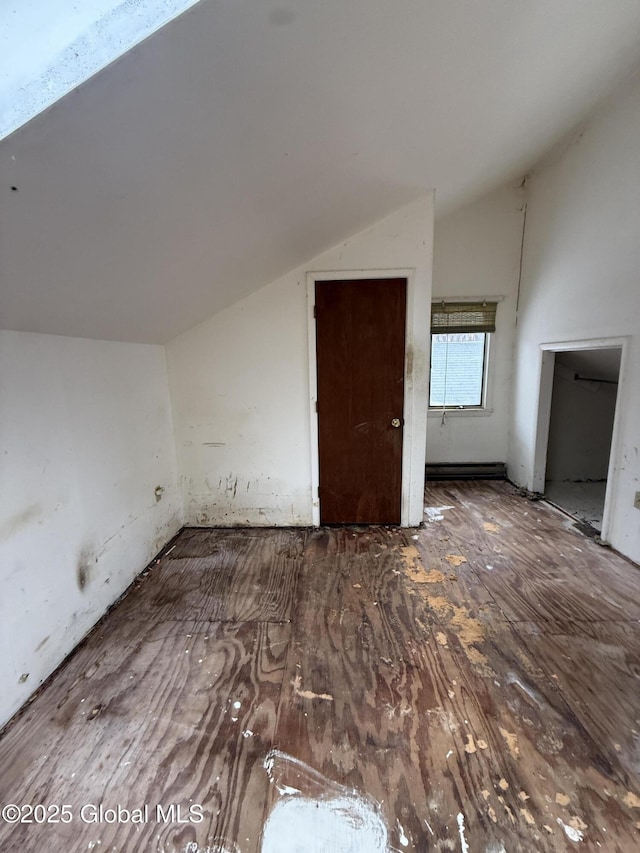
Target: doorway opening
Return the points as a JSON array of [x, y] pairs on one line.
[[582, 391]]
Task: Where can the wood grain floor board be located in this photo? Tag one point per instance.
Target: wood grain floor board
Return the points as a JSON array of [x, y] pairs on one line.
[[175, 720], [542, 571], [490, 702], [245, 578], [608, 706], [430, 713]]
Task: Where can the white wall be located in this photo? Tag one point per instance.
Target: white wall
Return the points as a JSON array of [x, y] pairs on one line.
[[477, 253], [240, 385], [580, 427], [581, 280], [85, 438]]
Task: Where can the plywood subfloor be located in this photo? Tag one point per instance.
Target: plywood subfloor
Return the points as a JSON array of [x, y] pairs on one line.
[[470, 686]]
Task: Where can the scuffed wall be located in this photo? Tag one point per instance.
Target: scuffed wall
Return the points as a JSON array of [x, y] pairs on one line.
[[85, 439], [241, 393]]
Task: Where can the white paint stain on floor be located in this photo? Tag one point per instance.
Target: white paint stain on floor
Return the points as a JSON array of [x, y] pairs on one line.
[[434, 513], [335, 825], [217, 846], [316, 815], [570, 831], [463, 840]]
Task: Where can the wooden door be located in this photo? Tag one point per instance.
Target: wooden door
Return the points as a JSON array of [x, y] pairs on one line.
[[360, 342]]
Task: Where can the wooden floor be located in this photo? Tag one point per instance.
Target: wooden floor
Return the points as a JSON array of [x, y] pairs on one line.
[[470, 686]]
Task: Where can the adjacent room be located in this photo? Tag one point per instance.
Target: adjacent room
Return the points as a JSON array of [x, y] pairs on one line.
[[581, 428], [319, 457]]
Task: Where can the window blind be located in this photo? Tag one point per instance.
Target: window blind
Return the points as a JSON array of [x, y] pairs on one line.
[[461, 317]]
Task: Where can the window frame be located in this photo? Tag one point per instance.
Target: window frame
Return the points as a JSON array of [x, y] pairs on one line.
[[485, 409]]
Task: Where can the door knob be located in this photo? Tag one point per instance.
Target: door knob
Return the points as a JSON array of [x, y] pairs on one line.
[[395, 422]]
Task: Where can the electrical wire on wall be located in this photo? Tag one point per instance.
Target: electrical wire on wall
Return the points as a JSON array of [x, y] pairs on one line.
[[443, 420]]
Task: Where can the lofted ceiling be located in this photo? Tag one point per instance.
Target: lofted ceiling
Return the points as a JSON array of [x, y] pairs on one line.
[[50, 46], [243, 138]]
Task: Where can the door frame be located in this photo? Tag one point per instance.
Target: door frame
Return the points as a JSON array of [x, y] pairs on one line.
[[415, 390], [547, 369]]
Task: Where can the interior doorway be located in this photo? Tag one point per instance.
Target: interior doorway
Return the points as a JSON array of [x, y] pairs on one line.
[[577, 462]]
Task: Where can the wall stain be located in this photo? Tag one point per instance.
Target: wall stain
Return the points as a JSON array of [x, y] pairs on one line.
[[409, 361], [21, 519], [230, 485], [86, 562]]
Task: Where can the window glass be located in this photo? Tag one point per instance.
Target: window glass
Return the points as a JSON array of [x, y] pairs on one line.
[[457, 369]]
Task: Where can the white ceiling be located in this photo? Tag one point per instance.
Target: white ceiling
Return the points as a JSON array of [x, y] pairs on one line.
[[49, 46], [242, 139], [591, 363]]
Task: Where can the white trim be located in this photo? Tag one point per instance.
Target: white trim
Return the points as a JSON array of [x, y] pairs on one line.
[[488, 368], [486, 408], [409, 463], [313, 399], [545, 386], [466, 412]]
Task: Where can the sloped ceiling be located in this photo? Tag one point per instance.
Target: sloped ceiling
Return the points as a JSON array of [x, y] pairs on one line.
[[50, 46], [244, 138]]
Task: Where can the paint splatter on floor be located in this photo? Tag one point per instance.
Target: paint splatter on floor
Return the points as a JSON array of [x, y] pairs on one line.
[[463, 840], [316, 815], [571, 832], [434, 513], [218, 845]]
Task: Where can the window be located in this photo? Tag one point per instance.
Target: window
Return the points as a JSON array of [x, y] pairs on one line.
[[460, 333]]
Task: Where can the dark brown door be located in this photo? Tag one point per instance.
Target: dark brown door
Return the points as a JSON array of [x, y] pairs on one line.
[[360, 335]]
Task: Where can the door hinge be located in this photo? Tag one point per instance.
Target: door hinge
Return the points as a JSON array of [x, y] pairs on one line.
[[316, 407], [315, 312]]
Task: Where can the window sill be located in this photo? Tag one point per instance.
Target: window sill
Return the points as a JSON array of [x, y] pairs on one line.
[[460, 413]]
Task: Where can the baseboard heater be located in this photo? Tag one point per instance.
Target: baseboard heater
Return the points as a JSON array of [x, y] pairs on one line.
[[467, 471]]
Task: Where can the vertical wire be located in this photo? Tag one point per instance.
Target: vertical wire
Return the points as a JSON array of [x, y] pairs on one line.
[[446, 367]]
